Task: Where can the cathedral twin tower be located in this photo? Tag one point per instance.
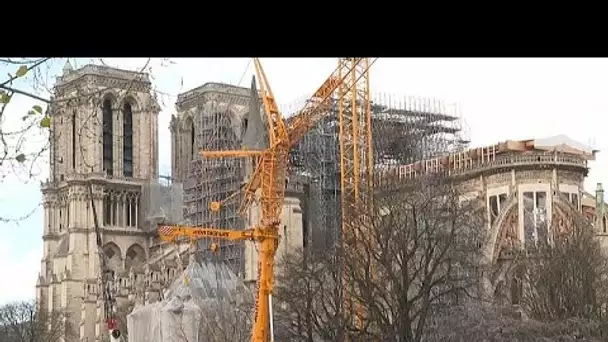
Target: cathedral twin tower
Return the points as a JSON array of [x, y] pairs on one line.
[[104, 129]]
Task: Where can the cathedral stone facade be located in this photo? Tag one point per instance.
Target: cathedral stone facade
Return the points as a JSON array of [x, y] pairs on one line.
[[104, 124]]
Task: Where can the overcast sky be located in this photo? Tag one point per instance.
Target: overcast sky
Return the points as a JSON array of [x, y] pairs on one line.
[[499, 99]]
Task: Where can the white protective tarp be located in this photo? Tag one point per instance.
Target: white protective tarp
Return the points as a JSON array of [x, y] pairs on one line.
[[174, 320], [560, 142], [182, 315]]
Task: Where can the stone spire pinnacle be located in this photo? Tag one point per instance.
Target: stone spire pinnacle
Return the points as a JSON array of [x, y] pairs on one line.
[[67, 68]]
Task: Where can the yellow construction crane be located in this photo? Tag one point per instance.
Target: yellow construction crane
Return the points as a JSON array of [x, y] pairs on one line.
[[356, 161], [268, 178]]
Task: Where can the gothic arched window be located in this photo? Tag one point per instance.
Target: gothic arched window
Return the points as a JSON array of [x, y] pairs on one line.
[[108, 153], [128, 140]]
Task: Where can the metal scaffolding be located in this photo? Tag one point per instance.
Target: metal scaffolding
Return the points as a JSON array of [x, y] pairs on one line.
[[405, 129], [218, 125]]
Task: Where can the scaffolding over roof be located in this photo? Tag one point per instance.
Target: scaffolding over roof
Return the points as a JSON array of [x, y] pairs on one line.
[[405, 129]]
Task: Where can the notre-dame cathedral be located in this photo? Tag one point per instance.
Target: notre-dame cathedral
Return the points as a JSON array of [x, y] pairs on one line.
[[104, 133]]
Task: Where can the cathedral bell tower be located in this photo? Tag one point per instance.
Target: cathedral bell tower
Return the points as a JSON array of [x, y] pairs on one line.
[[104, 129]]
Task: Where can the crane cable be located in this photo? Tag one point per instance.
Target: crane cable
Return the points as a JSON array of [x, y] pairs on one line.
[[107, 278]]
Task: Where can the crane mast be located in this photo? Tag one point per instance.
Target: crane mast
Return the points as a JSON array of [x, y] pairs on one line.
[[356, 159]]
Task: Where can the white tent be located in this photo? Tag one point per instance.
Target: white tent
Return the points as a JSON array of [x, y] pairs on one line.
[[211, 295]]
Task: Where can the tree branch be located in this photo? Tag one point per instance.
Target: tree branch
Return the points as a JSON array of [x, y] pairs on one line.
[[21, 92], [14, 77]]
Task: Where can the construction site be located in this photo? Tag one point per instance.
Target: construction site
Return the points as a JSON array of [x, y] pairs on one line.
[[195, 257], [221, 117], [426, 127]]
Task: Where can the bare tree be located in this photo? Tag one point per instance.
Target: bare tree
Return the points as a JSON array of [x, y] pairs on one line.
[[420, 251], [479, 322], [309, 298], [226, 320], [22, 322], [566, 278], [563, 292]]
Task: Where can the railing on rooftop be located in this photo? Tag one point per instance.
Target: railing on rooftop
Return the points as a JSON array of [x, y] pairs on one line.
[[477, 160]]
